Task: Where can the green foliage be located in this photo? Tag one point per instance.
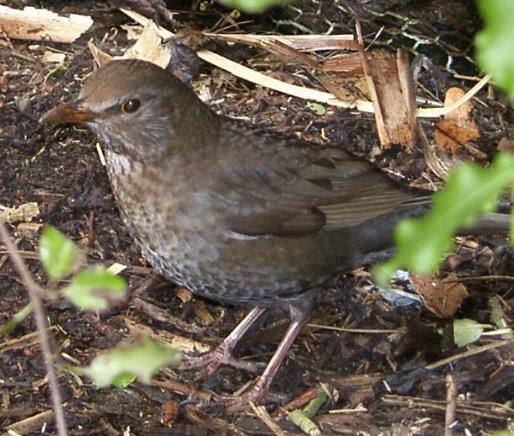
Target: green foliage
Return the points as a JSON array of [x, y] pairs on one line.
[[316, 108], [470, 191], [252, 6], [142, 359], [16, 320], [58, 253], [466, 331], [121, 381], [495, 43], [95, 289], [91, 289]]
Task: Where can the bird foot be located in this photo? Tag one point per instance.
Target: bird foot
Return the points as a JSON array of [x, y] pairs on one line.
[[212, 360], [255, 394]]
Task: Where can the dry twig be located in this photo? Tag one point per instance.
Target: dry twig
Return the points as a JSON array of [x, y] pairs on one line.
[[451, 405]]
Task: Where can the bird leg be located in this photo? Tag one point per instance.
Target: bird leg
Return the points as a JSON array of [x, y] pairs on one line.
[[260, 388], [222, 354]]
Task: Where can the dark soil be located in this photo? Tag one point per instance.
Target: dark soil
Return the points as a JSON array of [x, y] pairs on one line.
[[382, 377]]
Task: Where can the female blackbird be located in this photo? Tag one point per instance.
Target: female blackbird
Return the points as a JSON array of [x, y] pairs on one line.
[[232, 212]]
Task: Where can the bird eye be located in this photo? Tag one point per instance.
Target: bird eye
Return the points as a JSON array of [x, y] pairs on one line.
[[131, 106]]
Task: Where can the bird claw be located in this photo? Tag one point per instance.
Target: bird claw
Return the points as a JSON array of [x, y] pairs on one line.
[[213, 359], [235, 404]]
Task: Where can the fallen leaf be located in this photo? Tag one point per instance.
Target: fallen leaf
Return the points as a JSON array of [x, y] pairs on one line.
[[458, 126], [184, 294], [170, 410], [442, 297], [466, 331], [506, 145]]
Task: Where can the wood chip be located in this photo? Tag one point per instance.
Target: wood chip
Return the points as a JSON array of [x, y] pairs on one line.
[[181, 343], [32, 424], [149, 47], [42, 24], [28, 230], [390, 81], [23, 213], [50, 57], [116, 268]]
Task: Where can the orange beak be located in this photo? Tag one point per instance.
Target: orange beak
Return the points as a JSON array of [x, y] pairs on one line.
[[67, 113]]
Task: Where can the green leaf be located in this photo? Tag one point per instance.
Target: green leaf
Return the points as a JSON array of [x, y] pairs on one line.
[[495, 43], [316, 108], [124, 379], [470, 191], [94, 289], [58, 253], [204, 6], [142, 359], [235, 14], [466, 331], [252, 6], [16, 320]]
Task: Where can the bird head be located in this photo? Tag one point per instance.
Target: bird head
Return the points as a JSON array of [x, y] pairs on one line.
[[137, 108]]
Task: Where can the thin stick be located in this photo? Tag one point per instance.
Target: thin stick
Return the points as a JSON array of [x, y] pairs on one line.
[[479, 278], [451, 405], [364, 331], [35, 296], [469, 353], [264, 416]]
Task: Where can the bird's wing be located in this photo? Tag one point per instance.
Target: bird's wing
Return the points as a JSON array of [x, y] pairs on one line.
[[300, 189]]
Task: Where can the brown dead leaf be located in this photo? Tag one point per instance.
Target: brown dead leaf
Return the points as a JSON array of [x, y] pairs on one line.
[[443, 297], [4, 84], [184, 294], [458, 126], [450, 135], [170, 410], [506, 145]]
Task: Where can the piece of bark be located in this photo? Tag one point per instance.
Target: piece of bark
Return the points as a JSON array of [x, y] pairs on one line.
[[42, 24], [391, 90]]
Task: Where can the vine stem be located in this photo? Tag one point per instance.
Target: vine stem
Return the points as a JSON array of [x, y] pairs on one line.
[[35, 292]]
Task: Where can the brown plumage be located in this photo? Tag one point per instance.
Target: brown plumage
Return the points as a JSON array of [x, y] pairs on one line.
[[235, 213]]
